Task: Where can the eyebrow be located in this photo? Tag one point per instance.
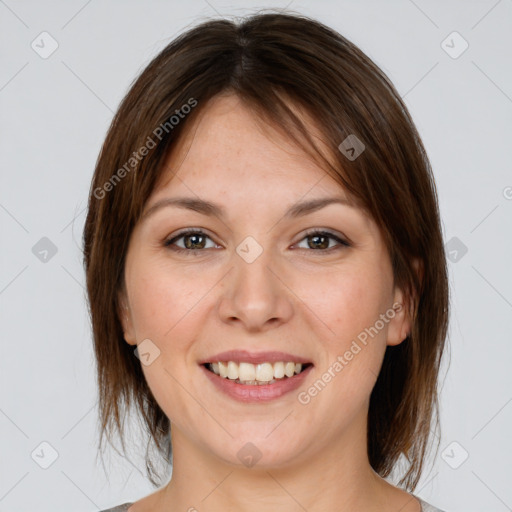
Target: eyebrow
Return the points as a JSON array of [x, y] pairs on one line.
[[208, 208]]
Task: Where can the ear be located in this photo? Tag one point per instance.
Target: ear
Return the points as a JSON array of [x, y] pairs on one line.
[[400, 325], [125, 317]]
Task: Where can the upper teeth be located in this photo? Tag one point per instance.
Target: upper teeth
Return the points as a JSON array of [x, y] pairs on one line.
[[264, 372]]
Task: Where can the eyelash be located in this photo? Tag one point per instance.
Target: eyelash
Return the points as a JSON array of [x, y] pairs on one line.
[[170, 242]]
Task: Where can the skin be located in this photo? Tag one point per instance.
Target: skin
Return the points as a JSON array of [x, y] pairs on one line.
[[294, 297]]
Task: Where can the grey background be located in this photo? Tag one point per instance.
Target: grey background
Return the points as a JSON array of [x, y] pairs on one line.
[[55, 112]]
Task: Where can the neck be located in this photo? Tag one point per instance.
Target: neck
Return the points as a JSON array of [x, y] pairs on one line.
[[337, 478]]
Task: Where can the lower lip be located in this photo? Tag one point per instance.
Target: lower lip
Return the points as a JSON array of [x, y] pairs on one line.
[[257, 392]]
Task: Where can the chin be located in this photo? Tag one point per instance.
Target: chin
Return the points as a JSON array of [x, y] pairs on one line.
[[259, 451]]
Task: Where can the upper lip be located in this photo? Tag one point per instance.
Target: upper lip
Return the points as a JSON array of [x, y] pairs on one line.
[[238, 356]]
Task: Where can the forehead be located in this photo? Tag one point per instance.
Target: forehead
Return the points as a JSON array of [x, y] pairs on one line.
[[229, 147], [231, 161]]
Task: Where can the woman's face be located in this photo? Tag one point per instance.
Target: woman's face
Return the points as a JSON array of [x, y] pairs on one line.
[[260, 284]]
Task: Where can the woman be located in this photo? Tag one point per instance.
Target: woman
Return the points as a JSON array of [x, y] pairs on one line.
[[266, 273]]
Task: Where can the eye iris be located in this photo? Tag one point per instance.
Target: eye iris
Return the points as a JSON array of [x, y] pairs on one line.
[[324, 245], [193, 245]]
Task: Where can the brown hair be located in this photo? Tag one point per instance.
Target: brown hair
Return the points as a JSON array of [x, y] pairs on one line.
[[274, 61]]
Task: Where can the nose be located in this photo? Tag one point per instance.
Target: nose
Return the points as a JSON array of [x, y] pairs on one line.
[[254, 295]]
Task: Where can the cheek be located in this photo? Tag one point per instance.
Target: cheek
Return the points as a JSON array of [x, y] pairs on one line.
[[167, 310], [347, 301], [350, 303], [164, 298]]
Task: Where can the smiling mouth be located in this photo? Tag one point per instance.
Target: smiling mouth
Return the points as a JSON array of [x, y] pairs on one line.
[[256, 374]]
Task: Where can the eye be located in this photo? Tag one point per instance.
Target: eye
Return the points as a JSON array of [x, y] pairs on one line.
[[196, 240], [193, 240], [320, 241]]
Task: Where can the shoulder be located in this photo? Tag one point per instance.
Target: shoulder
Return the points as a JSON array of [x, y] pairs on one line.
[[119, 508], [427, 507]]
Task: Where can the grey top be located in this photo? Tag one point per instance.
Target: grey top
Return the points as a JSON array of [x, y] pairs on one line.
[[425, 507], [119, 508]]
